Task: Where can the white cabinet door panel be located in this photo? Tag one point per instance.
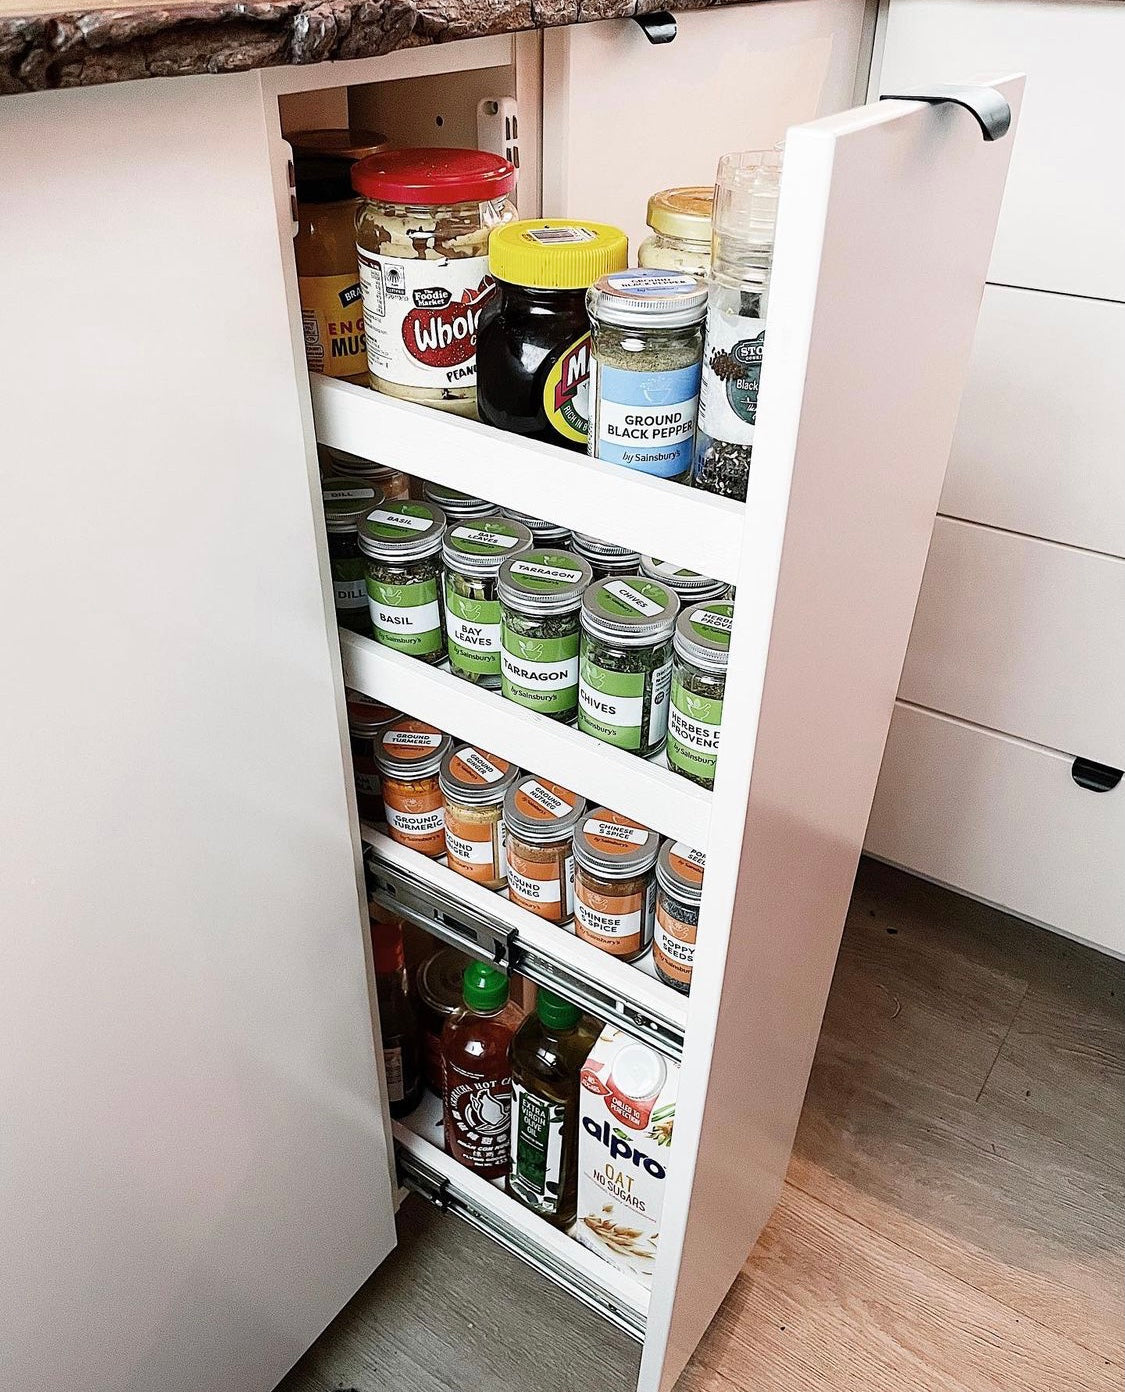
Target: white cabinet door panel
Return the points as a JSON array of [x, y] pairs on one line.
[[1040, 443], [1022, 636]]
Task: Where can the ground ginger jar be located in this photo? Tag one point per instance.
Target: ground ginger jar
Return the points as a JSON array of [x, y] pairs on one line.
[[422, 241], [473, 786]]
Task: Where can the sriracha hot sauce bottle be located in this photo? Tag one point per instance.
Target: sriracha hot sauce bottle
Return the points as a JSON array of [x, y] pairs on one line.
[[477, 1048]]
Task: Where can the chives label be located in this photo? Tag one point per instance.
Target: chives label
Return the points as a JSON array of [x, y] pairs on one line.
[[622, 708]]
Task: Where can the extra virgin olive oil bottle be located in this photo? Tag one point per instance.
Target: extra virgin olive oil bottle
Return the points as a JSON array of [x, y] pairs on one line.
[[547, 1056]]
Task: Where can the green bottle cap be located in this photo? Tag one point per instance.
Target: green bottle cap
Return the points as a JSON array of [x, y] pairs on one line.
[[485, 987], [555, 1012]]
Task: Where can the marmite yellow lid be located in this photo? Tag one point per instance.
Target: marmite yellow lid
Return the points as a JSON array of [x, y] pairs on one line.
[[556, 253]]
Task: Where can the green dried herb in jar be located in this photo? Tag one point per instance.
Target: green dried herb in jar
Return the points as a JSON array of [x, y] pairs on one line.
[[699, 680], [605, 558], [543, 533], [347, 501], [455, 504], [540, 596], [626, 663], [473, 552], [402, 543], [689, 585]]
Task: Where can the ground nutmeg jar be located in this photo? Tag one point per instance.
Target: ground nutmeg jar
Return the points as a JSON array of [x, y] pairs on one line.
[[626, 662], [540, 596], [409, 758], [473, 788], [614, 886], [701, 646], [679, 888], [473, 552], [539, 818], [402, 543]]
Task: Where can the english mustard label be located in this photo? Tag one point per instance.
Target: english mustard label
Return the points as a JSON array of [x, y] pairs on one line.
[[332, 315]]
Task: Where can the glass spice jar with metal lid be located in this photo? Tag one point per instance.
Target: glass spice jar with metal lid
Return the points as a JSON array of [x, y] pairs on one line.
[[473, 552], [614, 885], [347, 501], [680, 219], [391, 483], [539, 818], [605, 558], [540, 596], [409, 756], [473, 787], [679, 889], [625, 666], [455, 504], [543, 533], [700, 648], [402, 543], [689, 585], [646, 329], [367, 720]]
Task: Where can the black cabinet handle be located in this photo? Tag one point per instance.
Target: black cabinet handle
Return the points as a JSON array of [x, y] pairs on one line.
[[659, 27], [987, 105], [1098, 778]]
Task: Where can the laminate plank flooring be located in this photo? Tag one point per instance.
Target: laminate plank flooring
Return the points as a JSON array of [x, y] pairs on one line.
[[952, 1221]]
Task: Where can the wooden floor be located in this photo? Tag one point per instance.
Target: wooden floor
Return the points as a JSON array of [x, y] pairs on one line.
[[953, 1220]]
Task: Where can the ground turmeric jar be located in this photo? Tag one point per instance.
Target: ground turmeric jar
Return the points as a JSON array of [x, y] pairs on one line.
[[539, 818], [473, 787], [409, 757], [327, 270], [614, 886], [367, 720]]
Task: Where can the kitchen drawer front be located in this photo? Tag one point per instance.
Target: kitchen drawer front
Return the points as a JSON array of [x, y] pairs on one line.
[[1023, 636], [1062, 225], [1040, 443], [1004, 821]]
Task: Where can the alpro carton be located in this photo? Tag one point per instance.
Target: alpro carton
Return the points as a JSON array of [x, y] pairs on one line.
[[627, 1110]]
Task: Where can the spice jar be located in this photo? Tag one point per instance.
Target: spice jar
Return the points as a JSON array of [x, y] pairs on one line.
[[327, 272], [533, 351], [473, 787], [454, 504], [626, 663], [679, 888], [422, 240], [409, 757], [644, 378], [543, 533], [402, 543], [700, 648], [367, 720], [605, 558], [439, 995], [689, 585], [389, 482], [614, 886], [473, 552], [540, 596], [680, 219], [539, 818], [347, 501]]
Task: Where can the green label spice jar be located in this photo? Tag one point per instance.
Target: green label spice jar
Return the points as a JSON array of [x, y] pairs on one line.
[[605, 558], [402, 543], [540, 596], [543, 533], [473, 552], [626, 662], [347, 501], [689, 585], [699, 678], [455, 504]]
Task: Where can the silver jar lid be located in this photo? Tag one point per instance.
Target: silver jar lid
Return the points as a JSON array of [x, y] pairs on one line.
[[648, 299], [540, 812], [603, 553], [545, 533], [470, 775], [543, 582], [456, 504], [688, 584], [347, 501], [411, 749], [679, 870], [480, 545], [629, 611], [366, 715], [702, 634], [613, 847], [402, 530]]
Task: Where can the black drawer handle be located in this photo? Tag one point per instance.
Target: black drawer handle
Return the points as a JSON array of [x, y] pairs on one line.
[[989, 107], [658, 27], [1098, 778]]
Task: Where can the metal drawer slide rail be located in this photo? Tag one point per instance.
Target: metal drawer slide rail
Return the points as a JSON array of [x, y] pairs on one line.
[[416, 1176], [474, 931]]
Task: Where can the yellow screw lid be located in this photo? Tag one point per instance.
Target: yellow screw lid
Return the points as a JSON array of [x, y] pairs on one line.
[[556, 253], [684, 213]]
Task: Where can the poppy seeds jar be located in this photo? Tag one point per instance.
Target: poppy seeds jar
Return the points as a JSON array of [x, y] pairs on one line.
[[679, 890], [402, 543]]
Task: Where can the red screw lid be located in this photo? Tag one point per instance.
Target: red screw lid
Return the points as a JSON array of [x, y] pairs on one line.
[[433, 176]]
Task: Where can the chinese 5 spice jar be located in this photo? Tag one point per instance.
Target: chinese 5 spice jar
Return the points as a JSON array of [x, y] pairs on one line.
[[473, 788], [473, 552], [626, 663], [699, 678], [540, 818], [409, 758], [540, 596], [679, 881], [614, 887], [402, 543]]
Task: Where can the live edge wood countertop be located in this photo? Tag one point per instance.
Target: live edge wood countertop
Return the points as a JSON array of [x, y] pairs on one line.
[[43, 47]]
